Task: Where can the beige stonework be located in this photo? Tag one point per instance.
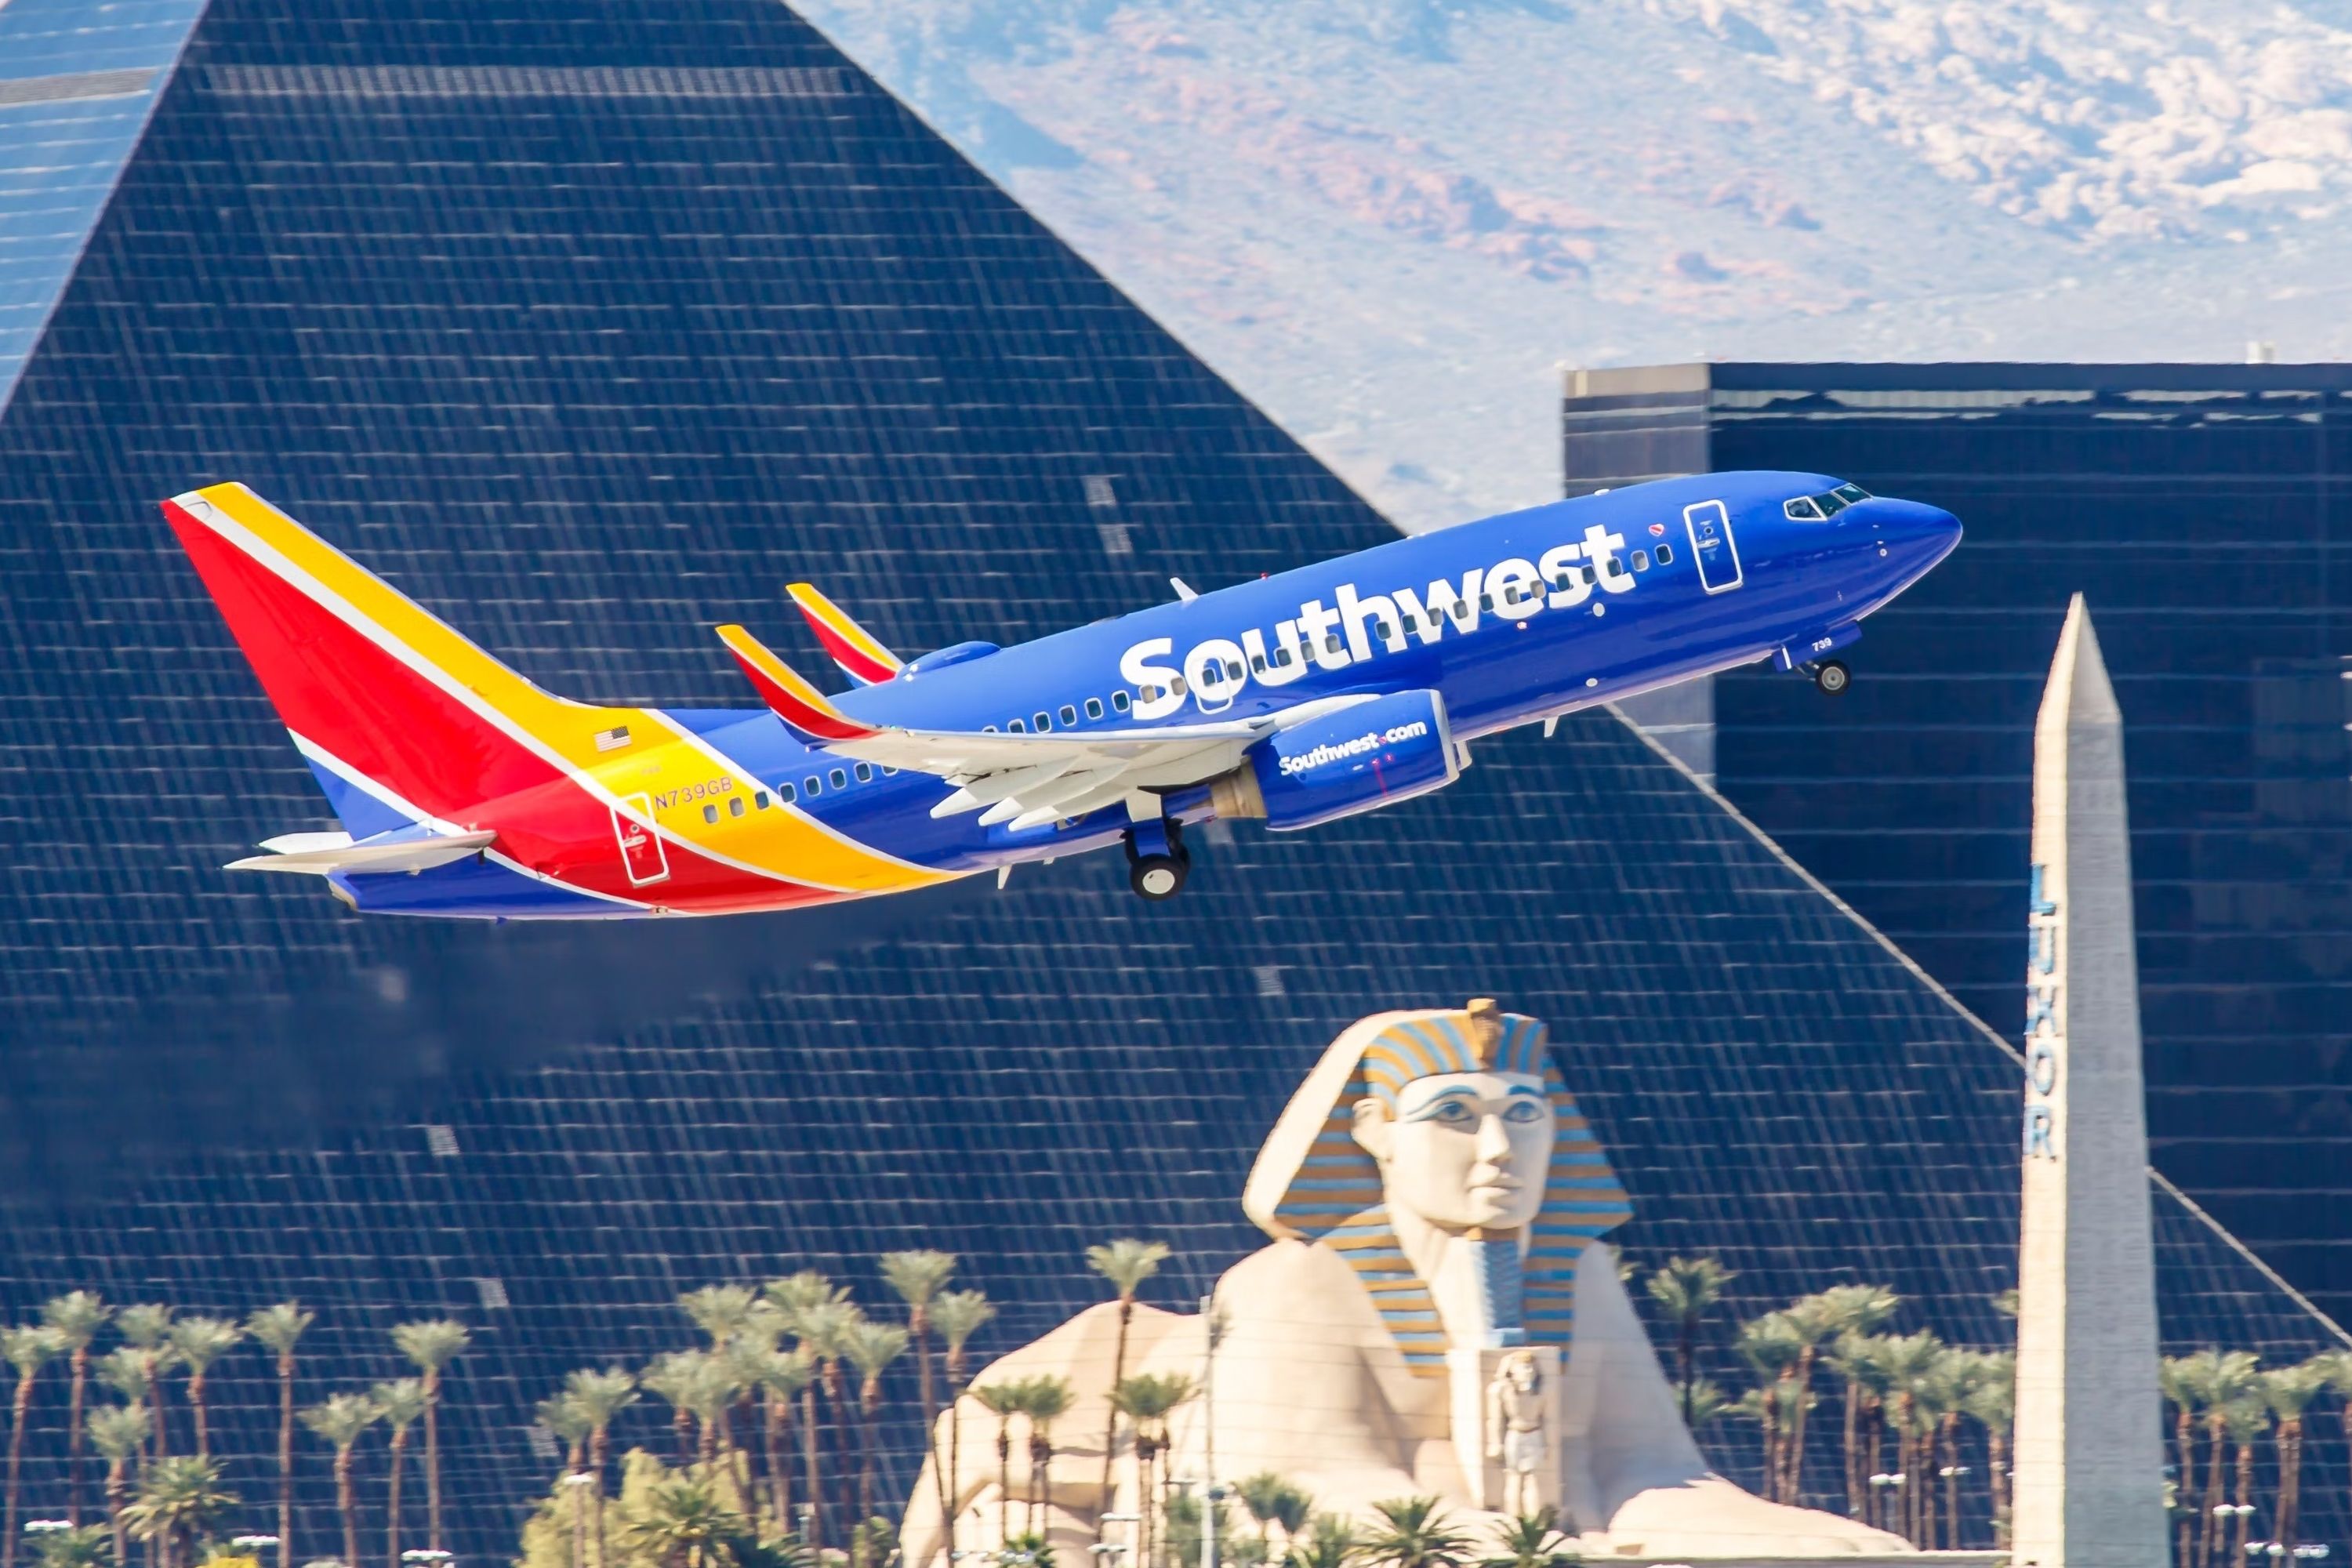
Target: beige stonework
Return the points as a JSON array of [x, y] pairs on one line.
[[1436, 1202], [2089, 1455]]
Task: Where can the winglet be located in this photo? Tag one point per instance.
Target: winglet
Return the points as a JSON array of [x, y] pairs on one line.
[[853, 647], [799, 705]]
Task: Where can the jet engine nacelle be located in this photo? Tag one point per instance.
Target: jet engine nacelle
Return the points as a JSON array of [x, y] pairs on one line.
[[1364, 756]]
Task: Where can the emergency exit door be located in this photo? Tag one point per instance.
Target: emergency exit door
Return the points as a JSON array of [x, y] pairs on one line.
[[1712, 546], [642, 854]]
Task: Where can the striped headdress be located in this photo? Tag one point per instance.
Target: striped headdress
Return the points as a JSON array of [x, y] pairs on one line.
[[1315, 1183]]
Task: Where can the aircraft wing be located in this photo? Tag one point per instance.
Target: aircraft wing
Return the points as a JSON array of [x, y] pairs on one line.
[[1024, 779], [1030, 780], [317, 854]]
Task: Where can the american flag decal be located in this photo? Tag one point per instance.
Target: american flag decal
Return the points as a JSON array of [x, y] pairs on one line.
[[611, 739]]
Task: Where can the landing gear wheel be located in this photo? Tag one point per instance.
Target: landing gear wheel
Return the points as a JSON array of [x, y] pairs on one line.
[[1832, 677], [1157, 877]]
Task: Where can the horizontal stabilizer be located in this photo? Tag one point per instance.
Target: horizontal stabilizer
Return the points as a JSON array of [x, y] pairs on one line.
[[857, 651], [315, 854], [799, 705]]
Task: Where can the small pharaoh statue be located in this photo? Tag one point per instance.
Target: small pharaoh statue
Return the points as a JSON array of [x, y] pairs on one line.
[[1517, 1410]]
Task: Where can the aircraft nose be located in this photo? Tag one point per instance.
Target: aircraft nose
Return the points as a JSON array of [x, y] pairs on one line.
[[1918, 534]]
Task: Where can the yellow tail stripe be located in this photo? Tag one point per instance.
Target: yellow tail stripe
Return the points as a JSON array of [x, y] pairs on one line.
[[785, 844]]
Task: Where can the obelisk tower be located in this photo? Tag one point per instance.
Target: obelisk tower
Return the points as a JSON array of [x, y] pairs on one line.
[[2089, 1452]]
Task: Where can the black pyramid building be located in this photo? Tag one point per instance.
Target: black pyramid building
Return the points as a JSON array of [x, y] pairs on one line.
[[591, 323]]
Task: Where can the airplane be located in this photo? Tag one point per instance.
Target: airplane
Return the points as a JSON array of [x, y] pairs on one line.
[[1353, 684]]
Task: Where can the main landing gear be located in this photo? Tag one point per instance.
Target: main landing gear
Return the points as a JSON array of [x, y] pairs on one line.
[[1157, 861], [1830, 676]]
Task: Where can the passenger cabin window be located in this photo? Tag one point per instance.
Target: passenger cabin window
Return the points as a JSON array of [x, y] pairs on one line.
[[786, 792], [1119, 700], [1094, 708], [837, 779], [1666, 554], [1641, 560], [709, 813], [1016, 726], [810, 784], [734, 806], [865, 772], [1044, 722], [1070, 714], [1177, 685], [988, 729]]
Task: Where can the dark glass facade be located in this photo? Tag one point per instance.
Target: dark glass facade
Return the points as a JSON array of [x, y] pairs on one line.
[[2203, 511], [592, 325]]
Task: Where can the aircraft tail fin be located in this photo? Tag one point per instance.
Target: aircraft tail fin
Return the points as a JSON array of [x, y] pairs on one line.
[[857, 651], [402, 718], [804, 710]]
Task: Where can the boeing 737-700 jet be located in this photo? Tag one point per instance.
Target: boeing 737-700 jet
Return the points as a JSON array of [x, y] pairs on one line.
[[1359, 683]]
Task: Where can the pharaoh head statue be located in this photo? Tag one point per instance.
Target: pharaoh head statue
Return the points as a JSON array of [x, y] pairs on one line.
[[1454, 1122]]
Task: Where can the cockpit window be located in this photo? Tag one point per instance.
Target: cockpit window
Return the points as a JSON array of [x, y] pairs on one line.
[[1825, 506]]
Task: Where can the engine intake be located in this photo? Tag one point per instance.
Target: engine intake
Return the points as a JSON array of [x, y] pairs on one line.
[[1361, 758]]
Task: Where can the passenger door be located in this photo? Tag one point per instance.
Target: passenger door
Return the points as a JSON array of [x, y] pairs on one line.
[[642, 854], [1712, 546]]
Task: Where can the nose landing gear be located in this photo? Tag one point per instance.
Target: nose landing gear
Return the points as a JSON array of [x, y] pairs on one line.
[[1831, 677], [1157, 860]]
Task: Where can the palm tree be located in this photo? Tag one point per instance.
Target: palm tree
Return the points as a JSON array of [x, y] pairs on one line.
[[1991, 1401], [918, 1277], [684, 1523], [73, 1547], [778, 1376], [2177, 1376], [400, 1402], [118, 1433], [711, 1385], [721, 1311], [1533, 1541], [1708, 1402], [569, 1426], [2225, 1380], [1687, 1289], [432, 1343], [1771, 1345], [1049, 1399], [277, 1330], [1908, 1363], [1262, 1494], [1003, 1401], [1125, 1264], [871, 1348], [957, 1315], [1330, 1543], [178, 1500], [1832, 1316], [669, 1377], [146, 1327], [126, 1370], [200, 1342], [817, 1313], [600, 1397], [342, 1419], [28, 1349], [1414, 1533], [2336, 1368], [1854, 1361], [76, 1317], [1147, 1400], [2245, 1421], [2289, 1392]]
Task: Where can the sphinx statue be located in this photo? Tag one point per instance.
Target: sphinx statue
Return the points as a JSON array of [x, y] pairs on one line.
[[1436, 1313]]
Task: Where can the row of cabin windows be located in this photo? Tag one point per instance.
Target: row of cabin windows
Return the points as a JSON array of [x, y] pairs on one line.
[[1281, 658], [813, 786], [1068, 712]]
